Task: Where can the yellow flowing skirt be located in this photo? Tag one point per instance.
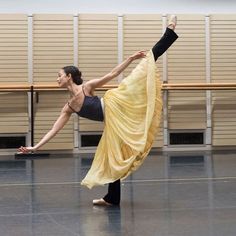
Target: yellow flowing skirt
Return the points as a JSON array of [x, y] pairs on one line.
[[132, 117]]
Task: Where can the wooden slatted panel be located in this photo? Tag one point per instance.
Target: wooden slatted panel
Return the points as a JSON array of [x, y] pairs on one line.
[[141, 32], [224, 118], [13, 70], [14, 113], [13, 48], [223, 48], [98, 53], [186, 64], [186, 110], [52, 49], [47, 111], [52, 45], [223, 69]]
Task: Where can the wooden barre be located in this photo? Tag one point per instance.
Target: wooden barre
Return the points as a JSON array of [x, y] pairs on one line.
[[165, 86], [199, 86]]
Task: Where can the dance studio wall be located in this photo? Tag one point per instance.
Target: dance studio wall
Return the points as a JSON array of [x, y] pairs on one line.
[[34, 47]]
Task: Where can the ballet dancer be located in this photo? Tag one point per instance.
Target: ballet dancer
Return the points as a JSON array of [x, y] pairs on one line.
[[131, 113]]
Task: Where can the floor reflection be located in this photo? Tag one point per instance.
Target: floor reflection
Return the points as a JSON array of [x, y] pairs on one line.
[[188, 166]]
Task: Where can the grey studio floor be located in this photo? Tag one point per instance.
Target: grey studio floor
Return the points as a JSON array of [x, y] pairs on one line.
[[172, 194]]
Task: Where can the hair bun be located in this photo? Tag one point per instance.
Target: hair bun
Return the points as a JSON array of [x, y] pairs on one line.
[[75, 74]]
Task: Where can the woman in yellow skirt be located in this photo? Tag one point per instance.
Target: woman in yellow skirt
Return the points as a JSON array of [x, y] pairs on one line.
[[131, 112]]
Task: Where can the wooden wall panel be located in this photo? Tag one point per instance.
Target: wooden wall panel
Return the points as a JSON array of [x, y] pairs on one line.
[[13, 70], [186, 64], [141, 32], [98, 53], [223, 48], [13, 48], [53, 48], [14, 113], [47, 110], [52, 45], [223, 70]]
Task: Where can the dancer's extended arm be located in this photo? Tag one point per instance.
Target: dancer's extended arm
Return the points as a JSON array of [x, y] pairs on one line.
[[94, 83], [58, 125]]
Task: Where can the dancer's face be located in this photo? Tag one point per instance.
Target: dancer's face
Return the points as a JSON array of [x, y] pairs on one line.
[[63, 79]]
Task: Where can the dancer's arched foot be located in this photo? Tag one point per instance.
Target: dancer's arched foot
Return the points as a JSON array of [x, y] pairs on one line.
[[172, 22], [101, 202]]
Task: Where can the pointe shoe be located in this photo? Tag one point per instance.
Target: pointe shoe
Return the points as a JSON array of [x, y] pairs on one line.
[[172, 22], [101, 202]]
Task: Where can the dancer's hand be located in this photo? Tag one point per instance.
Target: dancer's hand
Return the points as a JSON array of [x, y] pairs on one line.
[[138, 55], [26, 149]]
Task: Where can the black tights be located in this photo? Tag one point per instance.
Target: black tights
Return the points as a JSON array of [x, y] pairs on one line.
[[164, 43], [113, 195]]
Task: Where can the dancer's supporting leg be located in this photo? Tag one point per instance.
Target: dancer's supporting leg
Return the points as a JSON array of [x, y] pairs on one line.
[[112, 197], [169, 37]]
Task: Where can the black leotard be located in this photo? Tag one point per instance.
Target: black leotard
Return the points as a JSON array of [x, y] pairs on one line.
[[91, 108]]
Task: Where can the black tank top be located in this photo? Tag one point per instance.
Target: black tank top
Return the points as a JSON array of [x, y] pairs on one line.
[[91, 108]]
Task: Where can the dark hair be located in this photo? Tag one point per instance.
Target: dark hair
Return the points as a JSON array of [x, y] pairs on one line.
[[75, 74]]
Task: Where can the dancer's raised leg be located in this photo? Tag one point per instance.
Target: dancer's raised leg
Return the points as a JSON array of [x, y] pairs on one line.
[[167, 39]]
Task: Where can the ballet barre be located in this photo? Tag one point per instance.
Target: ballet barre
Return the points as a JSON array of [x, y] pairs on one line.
[[165, 86], [24, 87], [199, 86]]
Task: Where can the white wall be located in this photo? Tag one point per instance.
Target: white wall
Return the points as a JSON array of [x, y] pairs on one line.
[[118, 6]]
